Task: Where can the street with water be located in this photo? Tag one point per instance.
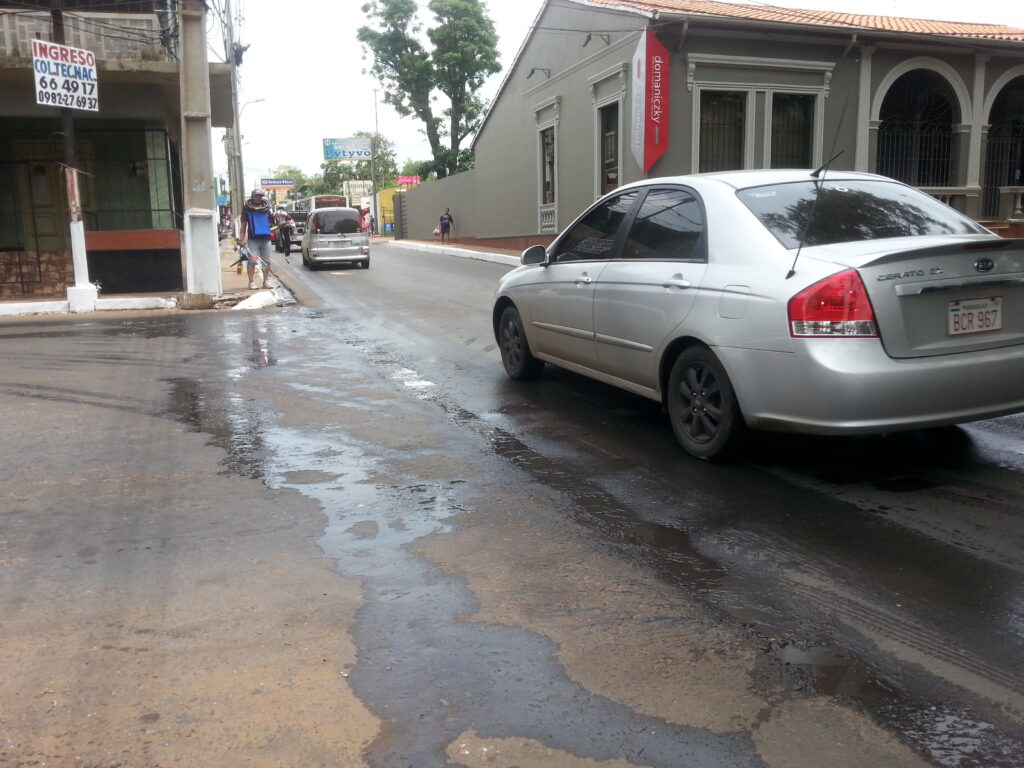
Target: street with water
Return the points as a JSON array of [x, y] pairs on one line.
[[334, 533]]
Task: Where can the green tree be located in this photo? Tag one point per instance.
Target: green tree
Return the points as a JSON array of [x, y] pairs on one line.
[[422, 168], [464, 53]]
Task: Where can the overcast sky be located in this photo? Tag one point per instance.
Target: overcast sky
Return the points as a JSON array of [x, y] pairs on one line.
[[305, 63]]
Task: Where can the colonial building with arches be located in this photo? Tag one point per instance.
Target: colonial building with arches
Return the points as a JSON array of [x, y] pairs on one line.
[[603, 92]]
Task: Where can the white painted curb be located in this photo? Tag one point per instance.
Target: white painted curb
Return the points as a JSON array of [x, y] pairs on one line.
[[464, 253]]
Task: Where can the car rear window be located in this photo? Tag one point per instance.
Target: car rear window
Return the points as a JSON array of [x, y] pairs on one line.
[[337, 222], [845, 211]]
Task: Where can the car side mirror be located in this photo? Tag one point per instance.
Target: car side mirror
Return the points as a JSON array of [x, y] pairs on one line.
[[535, 254]]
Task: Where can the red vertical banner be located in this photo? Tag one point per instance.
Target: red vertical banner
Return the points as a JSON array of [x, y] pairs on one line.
[[651, 88]]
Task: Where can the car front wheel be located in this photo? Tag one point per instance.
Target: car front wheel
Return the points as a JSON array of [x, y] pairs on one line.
[[519, 363], [702, 405]]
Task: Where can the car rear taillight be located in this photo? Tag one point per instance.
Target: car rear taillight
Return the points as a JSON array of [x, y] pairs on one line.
[[835, 306]]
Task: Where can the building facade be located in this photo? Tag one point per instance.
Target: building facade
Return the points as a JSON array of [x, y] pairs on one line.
[[938, 105], [132, 153]]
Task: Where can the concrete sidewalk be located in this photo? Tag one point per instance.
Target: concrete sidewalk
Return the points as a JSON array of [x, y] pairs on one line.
[[234, 288], [235, 282], [495, 255]]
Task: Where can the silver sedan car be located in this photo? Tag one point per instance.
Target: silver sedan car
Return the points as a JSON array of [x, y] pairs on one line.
[[821, 302], [335, 235]]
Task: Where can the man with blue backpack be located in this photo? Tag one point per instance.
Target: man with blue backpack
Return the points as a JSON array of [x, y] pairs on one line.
[[257, 219]]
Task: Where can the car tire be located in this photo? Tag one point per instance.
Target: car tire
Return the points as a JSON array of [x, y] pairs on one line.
[[702, 406], [519, 362], [365, 263], [305, 261]]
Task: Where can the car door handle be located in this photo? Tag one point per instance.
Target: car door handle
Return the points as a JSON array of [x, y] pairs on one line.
[[583, 279], [676, 283]]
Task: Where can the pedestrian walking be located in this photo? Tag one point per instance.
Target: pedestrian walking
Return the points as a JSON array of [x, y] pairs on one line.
[[257, 219], [447, 222]]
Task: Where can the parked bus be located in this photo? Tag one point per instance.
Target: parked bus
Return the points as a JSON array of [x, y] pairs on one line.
[[313, 202], [305, 206]]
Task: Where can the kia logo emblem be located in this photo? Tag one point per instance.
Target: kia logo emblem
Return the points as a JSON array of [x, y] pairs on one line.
[[984, 265]]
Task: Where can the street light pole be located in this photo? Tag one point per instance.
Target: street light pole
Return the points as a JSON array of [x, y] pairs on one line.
[[373, 164], [236, 170], [238, 148]]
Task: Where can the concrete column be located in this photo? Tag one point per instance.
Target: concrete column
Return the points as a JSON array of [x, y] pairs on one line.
[[861, 158], [977, 120], [202, 254]]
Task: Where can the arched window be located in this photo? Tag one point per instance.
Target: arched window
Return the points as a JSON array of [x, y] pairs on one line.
[[1004, 153], [915, 132]]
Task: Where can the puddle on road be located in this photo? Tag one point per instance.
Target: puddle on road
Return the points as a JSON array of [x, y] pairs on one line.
[[830, 671], [427, 669]]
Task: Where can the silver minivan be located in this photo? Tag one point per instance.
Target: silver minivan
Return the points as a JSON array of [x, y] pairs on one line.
[[335, 235]]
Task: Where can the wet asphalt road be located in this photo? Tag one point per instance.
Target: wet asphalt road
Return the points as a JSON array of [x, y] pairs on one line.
[[535, 574], [834, 550]]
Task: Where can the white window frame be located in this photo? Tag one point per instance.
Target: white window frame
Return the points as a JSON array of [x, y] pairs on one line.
[[817, 130], [748, 124], [695, 61], [621, 72], [598, 142], [551, 209]]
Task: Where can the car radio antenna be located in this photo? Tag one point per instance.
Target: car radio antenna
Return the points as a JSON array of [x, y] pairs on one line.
[[818, 175]]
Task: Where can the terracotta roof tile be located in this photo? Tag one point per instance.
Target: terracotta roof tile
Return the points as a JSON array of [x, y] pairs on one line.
[[822, 18]]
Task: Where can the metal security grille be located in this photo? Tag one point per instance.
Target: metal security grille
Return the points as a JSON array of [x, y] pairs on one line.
[[609, 147], [547, 166], [722, 127], [792, 130], [1004, 153], [132, 177], [1004, 163], [915, 135]]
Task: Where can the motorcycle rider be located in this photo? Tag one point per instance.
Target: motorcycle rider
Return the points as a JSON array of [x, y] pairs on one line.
[[285, 229]]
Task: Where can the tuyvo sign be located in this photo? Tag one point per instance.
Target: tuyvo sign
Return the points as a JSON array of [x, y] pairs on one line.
[[650, 76], [64, 76], [347, 149]]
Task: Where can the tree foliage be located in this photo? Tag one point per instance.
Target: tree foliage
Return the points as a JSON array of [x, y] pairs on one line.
[[464, 53], [422, 168]]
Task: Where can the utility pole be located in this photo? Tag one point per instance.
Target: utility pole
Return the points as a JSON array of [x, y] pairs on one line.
[[236, 174], [82, 296], [202, 249]]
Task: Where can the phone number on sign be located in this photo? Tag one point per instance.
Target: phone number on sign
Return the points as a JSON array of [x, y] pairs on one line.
[[66, 100]]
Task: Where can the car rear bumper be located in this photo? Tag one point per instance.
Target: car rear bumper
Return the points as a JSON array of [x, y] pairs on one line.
[[352, 253], [850, 386]]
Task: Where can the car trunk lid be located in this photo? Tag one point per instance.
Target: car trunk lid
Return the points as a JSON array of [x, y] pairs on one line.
[[945, 295]]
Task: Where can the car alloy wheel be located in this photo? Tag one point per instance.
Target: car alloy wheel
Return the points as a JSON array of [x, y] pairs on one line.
[[702, 405], [519, 363]]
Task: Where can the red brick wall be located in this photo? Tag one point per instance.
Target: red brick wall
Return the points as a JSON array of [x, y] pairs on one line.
[[56, 271], [517, 244]]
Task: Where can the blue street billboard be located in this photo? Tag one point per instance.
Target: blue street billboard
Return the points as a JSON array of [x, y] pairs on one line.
[[347, 149]]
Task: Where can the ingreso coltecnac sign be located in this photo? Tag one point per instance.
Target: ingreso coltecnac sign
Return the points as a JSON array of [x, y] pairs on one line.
[[65, 76]]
